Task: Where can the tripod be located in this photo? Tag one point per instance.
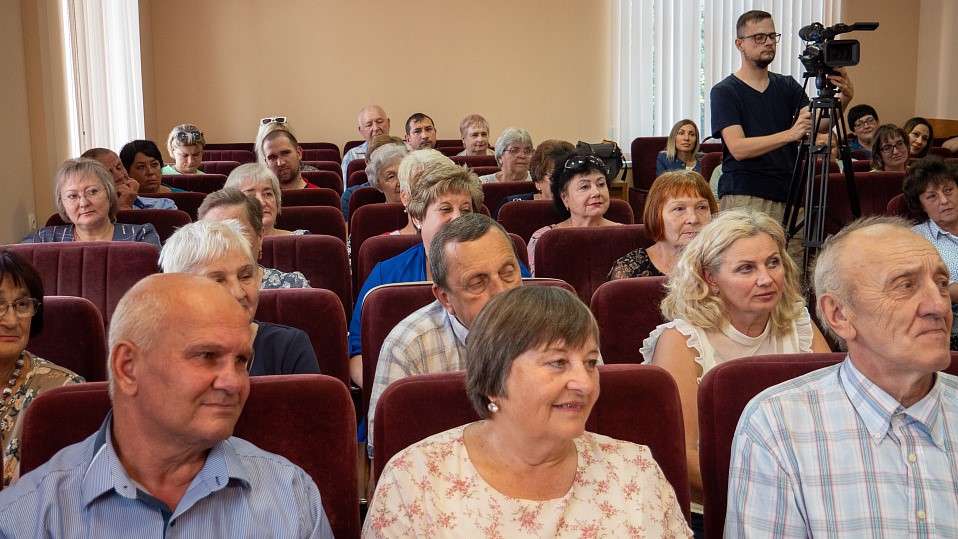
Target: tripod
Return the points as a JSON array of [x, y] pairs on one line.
[[810, 176]]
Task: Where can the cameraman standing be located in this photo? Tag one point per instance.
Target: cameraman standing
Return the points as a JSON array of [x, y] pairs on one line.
[[753, 113]]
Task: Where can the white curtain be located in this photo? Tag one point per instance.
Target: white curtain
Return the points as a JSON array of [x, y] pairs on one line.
[[103, 71], [668, 54]]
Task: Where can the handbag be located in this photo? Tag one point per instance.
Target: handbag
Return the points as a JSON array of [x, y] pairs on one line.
[[608, 151]]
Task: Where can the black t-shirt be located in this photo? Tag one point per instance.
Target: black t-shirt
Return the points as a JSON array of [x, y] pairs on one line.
[[281, 349]]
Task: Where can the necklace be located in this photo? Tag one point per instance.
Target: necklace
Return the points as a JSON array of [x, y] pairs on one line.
[[14, 376]]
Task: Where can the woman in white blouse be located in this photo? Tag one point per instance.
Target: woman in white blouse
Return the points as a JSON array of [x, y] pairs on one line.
[[733, 293]]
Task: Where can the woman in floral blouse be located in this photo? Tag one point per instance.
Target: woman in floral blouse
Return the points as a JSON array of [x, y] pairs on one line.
[[527, 468]]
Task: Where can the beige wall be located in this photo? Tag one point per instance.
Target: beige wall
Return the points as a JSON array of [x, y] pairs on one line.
[[16, 182], [937, 72], [543, 66]]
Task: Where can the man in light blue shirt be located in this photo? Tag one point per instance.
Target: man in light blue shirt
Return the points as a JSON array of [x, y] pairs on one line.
[[164, 463], [869, 447], [372, 121], [126, 187]]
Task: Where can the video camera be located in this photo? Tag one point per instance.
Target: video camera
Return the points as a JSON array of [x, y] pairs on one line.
[[824, 53]]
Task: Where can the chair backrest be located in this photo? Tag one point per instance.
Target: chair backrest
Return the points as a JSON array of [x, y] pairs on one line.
[[320, 145], [627, 311], [307, 418], [861, 165], [332, 166], [357, 177], [238, 155], [320, 258], [354, 165], [531, 215], [219, 167], [709, 163], [482, 170], [363, 196], [710, 147], [896, 206], [311, 197], [723, 394], [875, 190], [248, 146], [324, 178], [449, 143], [321, 154], [319, 313], [317, 219], [164, 221], [494, 192], [350, 144], [369, 221], [450, 151], [939, 151], [189, 201], [407, 413], [645, 151], [200, 183], [73, 337], [475, 160], [100, 271], [583, 256]]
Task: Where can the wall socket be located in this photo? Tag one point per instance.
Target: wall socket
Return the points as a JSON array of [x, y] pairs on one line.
[[32, 221]]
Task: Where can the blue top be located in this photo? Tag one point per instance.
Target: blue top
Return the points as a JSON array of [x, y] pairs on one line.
[[664, 164], [512, 198], [279, 349], [84, 491], [855, 145], [758, 113], [154, 203], [121, 232], [347, 194]]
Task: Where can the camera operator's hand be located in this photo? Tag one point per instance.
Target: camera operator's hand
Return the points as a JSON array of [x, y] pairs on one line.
[[802, 126], [844, 83]]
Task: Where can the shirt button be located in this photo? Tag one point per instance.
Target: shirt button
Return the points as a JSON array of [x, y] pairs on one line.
[[912, 458], [921, 514]]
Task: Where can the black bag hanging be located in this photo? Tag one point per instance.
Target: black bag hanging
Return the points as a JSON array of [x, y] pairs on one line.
[[608, 151]]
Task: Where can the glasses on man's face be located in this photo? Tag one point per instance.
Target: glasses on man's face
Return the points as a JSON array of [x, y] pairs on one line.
[[761, 38], [271, 120], [870, 120], [22, 308], [889, 148], [520, 151], [189, 137], [89, 194]]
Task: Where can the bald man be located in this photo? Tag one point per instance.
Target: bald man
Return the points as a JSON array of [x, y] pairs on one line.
[[372, 121]]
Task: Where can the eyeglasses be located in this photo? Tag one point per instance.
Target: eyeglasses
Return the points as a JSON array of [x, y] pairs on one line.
[[579, 161], [865, 121], [519, 151], [761, 38], [189, 137], [888, 148], [22, 308], [89, 194], [271, 120]]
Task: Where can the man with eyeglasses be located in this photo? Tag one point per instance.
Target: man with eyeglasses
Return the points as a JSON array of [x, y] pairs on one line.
[[863, 120], [753, 112], [420, 132], [372, 121]]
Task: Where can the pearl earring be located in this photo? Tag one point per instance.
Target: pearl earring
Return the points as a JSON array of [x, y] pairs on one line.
[[493, 407]]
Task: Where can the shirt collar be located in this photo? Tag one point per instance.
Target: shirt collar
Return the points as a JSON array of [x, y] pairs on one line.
[[936, 230], [459, 330], [876, 408]]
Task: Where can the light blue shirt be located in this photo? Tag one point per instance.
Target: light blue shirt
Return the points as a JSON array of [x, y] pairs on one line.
[[947, 246], [356, 152], [241, 491], [154, 203]]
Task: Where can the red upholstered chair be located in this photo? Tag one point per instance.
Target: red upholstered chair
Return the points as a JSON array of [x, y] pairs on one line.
[[645, 151], [332, 166], [350, 144], [320, 146], [875, 190], [363, 196], [307, 418], [710, 147], [710, 161], [238, 155], [627, 311], [248, 146], [483, 170], [320, 314], [357, 177], [493, 193], [72, 337], [449, 143], [475, 160], [164, 221], [317, 219], [324, 178], [723, 394], [863, 165], [189, 201], [219, 167], [944, 153], [322, 260], [897, 207], [859, 155], [200, 183], [583, 256], [407, 413], [450, 151], [524, 219], [311, 197], [368, 221], [320, 154], [354, 165], [100, 271]]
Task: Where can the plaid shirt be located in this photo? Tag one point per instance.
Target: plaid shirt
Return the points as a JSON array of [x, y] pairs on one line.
[[428, 340], [830, 454]]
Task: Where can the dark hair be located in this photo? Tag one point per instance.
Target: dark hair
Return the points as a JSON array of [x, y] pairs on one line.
[[931, 170], [280, 133], [561, 176], [881, 136], [750, 16], [909, 126], [418, 117], [146, 147], [545, 154], [858, 112], [22, 273]]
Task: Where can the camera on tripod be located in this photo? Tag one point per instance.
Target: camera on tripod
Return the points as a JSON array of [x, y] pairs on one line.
[[824, 53]]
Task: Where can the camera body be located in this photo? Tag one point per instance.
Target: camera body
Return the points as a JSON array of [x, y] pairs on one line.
[[823, 53]]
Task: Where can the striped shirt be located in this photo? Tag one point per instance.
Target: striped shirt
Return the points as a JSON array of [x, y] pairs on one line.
[[241, 491], [121, 232], [830, 454]]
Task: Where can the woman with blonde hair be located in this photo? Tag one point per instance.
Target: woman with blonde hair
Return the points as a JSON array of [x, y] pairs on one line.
[[682, 151]]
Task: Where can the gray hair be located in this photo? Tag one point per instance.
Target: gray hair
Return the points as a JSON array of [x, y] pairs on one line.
[[511, 136], [383, 158], [469, 227], [514, 322], [82, 167], [199, 243], [230, 196], [256, 173], [829, 275], [414, 163]]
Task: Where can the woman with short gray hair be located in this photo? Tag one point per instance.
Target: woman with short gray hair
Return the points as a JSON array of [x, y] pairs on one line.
[[382, 170], [514, 155], [257, 181]]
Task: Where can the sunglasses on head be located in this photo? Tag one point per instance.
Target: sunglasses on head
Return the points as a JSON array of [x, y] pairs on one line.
[[274, 119], [188, 137], [579, 161]]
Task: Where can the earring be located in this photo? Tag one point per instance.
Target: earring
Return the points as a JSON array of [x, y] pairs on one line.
[[493, 407]]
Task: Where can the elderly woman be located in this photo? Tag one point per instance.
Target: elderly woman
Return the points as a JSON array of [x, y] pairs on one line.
[[259, 182], [920, 137], [410, 170], [220, 251], [377, 142], [733, 293], [231, 203], [889, 149], [681, 150], [25, 375], [185, 145], [540, 168], [931, 196], [474, 130], [678, 205], [142, 161], [513, 153], [86, 200], [382, 169], [862, 120], [580, 195], [527, 468]]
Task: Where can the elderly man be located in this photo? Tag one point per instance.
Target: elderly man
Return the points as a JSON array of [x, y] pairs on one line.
[[471, 259], [282, 154], [372, 121], [165, 462], [420, 132], [866, 448], [127, 188]]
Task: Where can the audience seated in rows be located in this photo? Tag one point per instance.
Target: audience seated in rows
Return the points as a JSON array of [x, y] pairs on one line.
[[127, 188], [143, 161], [541, 168], [259, 182], [514, 151], [185, 145], [683, 149], [474, 130], [372, 122]]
